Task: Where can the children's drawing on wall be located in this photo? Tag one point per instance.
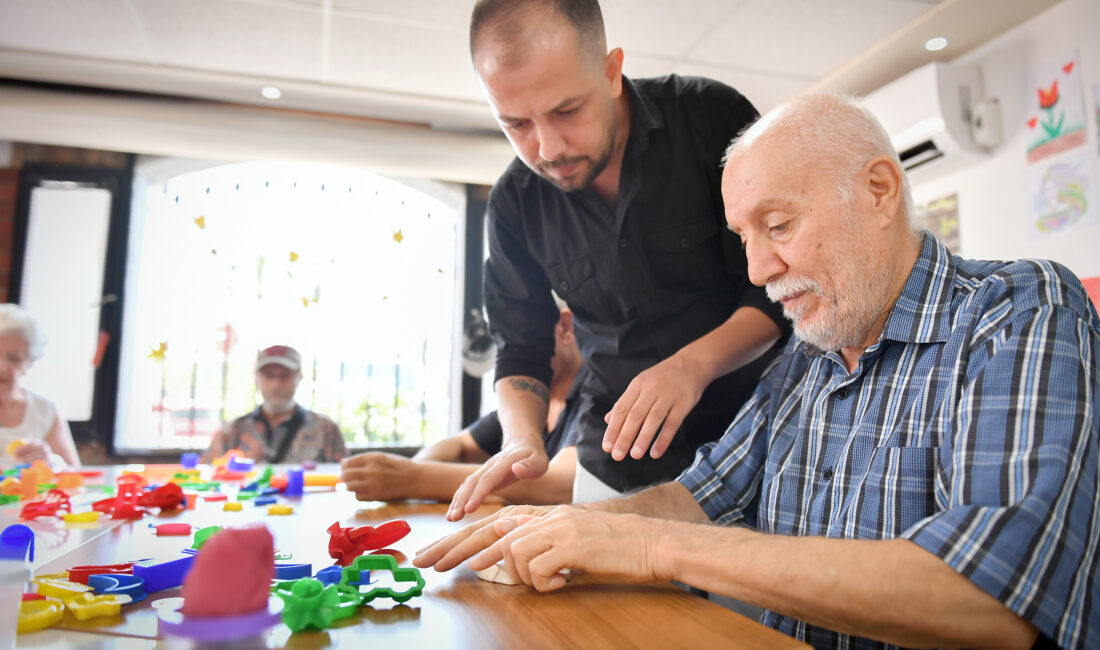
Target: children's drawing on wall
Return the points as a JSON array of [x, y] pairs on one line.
[[1055, 109], [941, 218], [1096, 109], [1062, 191]]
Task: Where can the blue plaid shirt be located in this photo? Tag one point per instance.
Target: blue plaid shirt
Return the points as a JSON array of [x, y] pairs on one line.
[[969, 428]]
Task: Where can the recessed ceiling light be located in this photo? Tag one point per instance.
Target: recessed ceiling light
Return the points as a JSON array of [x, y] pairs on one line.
[[935, 44], [271, 92]]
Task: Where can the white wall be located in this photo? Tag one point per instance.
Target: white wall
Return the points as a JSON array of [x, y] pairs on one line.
[[993, 200]]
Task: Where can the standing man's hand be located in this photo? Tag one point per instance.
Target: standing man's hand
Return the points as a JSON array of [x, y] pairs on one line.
[[512, 463], [378, 476], [663, 394]]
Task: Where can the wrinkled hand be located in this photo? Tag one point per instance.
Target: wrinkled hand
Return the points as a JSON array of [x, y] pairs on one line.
[[665, 393], [448, 552], [31, 451], [378, 476], [535, 550], [507, 466]]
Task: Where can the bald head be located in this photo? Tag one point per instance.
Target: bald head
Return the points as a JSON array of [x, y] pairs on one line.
[[829, 131], [509, 27]]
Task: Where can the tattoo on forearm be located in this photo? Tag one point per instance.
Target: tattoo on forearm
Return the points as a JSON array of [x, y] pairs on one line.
[[531, 386]]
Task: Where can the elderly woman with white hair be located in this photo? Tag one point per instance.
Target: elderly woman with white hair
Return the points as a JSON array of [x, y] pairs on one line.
[[31, 427]]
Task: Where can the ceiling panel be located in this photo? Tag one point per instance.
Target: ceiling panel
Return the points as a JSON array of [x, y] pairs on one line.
[[278, 40], [402, 58], [97, 28], [660, 27], [453, 15], [805, 38]]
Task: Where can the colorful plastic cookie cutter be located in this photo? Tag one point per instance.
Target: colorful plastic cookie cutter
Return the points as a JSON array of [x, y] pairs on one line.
[[240, 464], [163, 575], [166, 497], [80, 573], [17, 543], [351, 575], [118, 584], [345, 543], [54, 501], [310, 604], [173, 529], [290, 571], [37, 615], [215, 628], [330, 575], [88, 605], [82, 517], [59, 587], [203, 534]]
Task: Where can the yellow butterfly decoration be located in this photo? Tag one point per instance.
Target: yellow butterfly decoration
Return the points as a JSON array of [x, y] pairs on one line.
[[200, 222], [158, 352], [397, 236], [306, 301], [293, 256]]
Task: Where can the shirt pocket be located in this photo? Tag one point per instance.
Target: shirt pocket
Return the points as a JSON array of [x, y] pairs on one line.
[[573, 279], [686, 256], [898, 488]]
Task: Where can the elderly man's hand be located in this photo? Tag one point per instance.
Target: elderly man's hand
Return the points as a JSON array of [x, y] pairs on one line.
[[31, 451], [536, 549], [507, 466], [447, 553], [663, 394], [378, 476]]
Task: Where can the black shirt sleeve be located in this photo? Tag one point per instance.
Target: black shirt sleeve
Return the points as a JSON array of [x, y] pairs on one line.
[[487, 433], [521, 311]]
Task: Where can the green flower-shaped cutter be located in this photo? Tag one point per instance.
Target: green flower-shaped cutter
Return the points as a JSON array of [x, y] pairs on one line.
[[309, 603], [349, 578]]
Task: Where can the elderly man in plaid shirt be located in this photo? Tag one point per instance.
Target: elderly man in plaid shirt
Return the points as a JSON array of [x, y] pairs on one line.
[[920, 466]]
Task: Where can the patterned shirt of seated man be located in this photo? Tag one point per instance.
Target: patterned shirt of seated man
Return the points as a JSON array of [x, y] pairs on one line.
[[279, 430]]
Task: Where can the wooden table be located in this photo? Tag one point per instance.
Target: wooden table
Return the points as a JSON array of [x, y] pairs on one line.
[[456, 610]]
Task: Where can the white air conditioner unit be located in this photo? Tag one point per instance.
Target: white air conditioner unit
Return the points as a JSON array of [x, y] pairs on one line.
[[937, 118]]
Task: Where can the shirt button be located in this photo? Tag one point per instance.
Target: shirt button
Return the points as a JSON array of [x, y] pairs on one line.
[[564, 286], [842, 393], [684, 243], [827, 474], [622, 243]]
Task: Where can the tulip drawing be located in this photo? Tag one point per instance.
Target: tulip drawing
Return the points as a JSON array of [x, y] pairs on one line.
[[1048, 98]]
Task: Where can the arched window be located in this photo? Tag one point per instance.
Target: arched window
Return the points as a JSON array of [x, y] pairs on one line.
[[354, 270]]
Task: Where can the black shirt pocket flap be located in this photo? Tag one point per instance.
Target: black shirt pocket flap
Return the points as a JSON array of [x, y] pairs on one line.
[[569, 275], [682, 238]]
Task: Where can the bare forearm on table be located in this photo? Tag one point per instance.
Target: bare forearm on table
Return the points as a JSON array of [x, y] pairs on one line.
[[891, 590]]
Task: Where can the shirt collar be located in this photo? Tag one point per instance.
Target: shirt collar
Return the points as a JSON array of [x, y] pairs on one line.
[[644, 116], [922, 313]]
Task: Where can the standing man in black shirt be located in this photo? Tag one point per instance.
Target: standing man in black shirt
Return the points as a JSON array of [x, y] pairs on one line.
[[615, 203]]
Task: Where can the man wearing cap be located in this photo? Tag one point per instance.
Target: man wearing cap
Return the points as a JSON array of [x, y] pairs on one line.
[[280, 430]]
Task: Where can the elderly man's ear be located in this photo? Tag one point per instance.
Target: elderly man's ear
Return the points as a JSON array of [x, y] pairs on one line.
[[884, 182]]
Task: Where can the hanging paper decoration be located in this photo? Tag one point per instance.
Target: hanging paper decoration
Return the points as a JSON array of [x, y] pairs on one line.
[[397, 236], [200, 222], [158, 352], [293, 256]]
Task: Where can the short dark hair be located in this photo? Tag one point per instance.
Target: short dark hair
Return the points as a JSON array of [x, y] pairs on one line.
[[507, 17]]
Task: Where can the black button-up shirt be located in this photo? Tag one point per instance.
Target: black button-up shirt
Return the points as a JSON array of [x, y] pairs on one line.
[[643, 278]]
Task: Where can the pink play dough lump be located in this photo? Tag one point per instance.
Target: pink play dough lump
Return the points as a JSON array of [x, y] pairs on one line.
[[232, 574]]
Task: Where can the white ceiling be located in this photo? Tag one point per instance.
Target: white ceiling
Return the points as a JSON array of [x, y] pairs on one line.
[[416, 49]]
